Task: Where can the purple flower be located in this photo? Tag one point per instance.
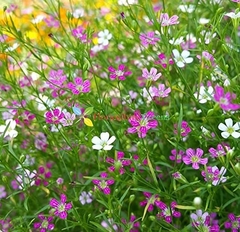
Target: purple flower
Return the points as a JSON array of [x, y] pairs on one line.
[[79, 33], [3, 193], [79, 86], [176, 156], [164, 61], [85, 198], [166, 21], [61, 207], [109, 225], [225, 100], [161, 91], [104, 184], [148, 38], [5, 225], [194, 158], [52, 22], [185, 129], [132, 224], [212, 174], [151, 75], [40, 141], [150, 201], [167, 212], [221, 150], [141, 124], [199, 217], [54, 116], [45, 224], [119, 73], [68, 119], [208, 59], [233, 224]]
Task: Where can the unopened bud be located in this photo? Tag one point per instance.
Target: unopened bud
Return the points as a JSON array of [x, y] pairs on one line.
[[131, 198], [197, 202]]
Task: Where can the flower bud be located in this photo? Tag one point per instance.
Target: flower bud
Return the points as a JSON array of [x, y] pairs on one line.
[[131, 198], [197, 202], [152, 218]]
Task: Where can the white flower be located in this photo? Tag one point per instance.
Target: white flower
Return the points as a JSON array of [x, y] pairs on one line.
[[205, 94], [229, 129], [78, 13], [15, 46], [177, 41], [183, 58], [9, 129], [103, 142], [187, 8], [208, 36], [203, 21], [127, 2], [232, 15], [44, 101], [104, 37], [26, 178], [38, 19], [85, 198]]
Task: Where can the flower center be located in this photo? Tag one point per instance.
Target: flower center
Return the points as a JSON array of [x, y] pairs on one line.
[[44, 224], [61, 207], [119, 73], [103, 184], [235, 225], [194, 159], [223, 101], [230, 130]]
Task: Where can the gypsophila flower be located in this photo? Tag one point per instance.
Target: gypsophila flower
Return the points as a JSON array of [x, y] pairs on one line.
[[26, 178], [60, 207], [104, 183], [148, 38], [54, 116], [151, 75], [221, 150], [109, 225], [165, 20], [229, 129], [119, 73], [104, 142], [45, 224], [85, 198], [104, 37], [194, 157], [205, 94], [182, 59], [233, 15], [9, 129], [199, 217], [233, 223], [3, 193], [214, 175], [184, 130], [79, 86], [68, 119], [176, 155]]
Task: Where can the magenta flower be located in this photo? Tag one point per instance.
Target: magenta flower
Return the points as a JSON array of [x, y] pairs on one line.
[[164, 61], [150, 200], [119, 73], [3, 193], [54, 116], [176, 156], [219, 151], [79, 33], [141, 124], [161, 91], [166, 21], [68, 119], [167, 212], [6, 225], [185, 129], [40, 141], [45, 224], [212, 174], [119, 163], [132, 224], [194, 157], [225, 100], [208, 59], [79, 86], [61, 207], [233, 224], [104, 184], [148, 38], [43, 174], [52, 22], [151, 75]]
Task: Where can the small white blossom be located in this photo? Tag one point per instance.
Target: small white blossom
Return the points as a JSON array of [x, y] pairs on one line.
[[205, 94], [104, 37], [9, 129], [183, 58], [233, 15], [104, 142], [229, 129]]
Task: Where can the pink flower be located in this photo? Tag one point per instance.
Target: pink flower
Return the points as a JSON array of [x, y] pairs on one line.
[[233, 224], [219, 151], [120, 74], [43, 174], [148, 38], [161, 91], [176, 156], [79, 33], [168, 212], [45, 224], [225, 100], [79, 86], [214, 175], [119, 163], [135, 226], [185, 129], [104, 184], [150, 200], [61, 207], [54, 116], [68, 119], [164, 61], [208, 59], [194, 158], [52, 22], [141, 124], [152, 75], [40, 141], [166, 21]]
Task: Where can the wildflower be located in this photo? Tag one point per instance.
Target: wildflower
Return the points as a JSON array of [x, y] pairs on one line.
[[109, 225], [79, 86], [229, 129], [199, 217], [119, 163], [225, 100], [104, 37], [150, 201], [166, 21], [5, 225], [103, 142], [44, 101], [54, 116], [205, 94], [208, 36], [183, 58], [168, 212], [78, 13], [233, 15], [176, 155], [45, 224], [52, 22], [187, 8], [25, 81], [43, 174], [68, 119], [148, 38], [221, 150], [9, 129], [233, 223], [26, 178], [207, 58], [161, 91], [3, 193], [127, 2], [141, 124], [190, 42], [79, 33], [151, 75], [185, 129], [104, 183], [120, 74], [85, 198], [61, 207], [40, 141], [164, 61], [59, 181], [194, 157], [177, 41], [212, 174]]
